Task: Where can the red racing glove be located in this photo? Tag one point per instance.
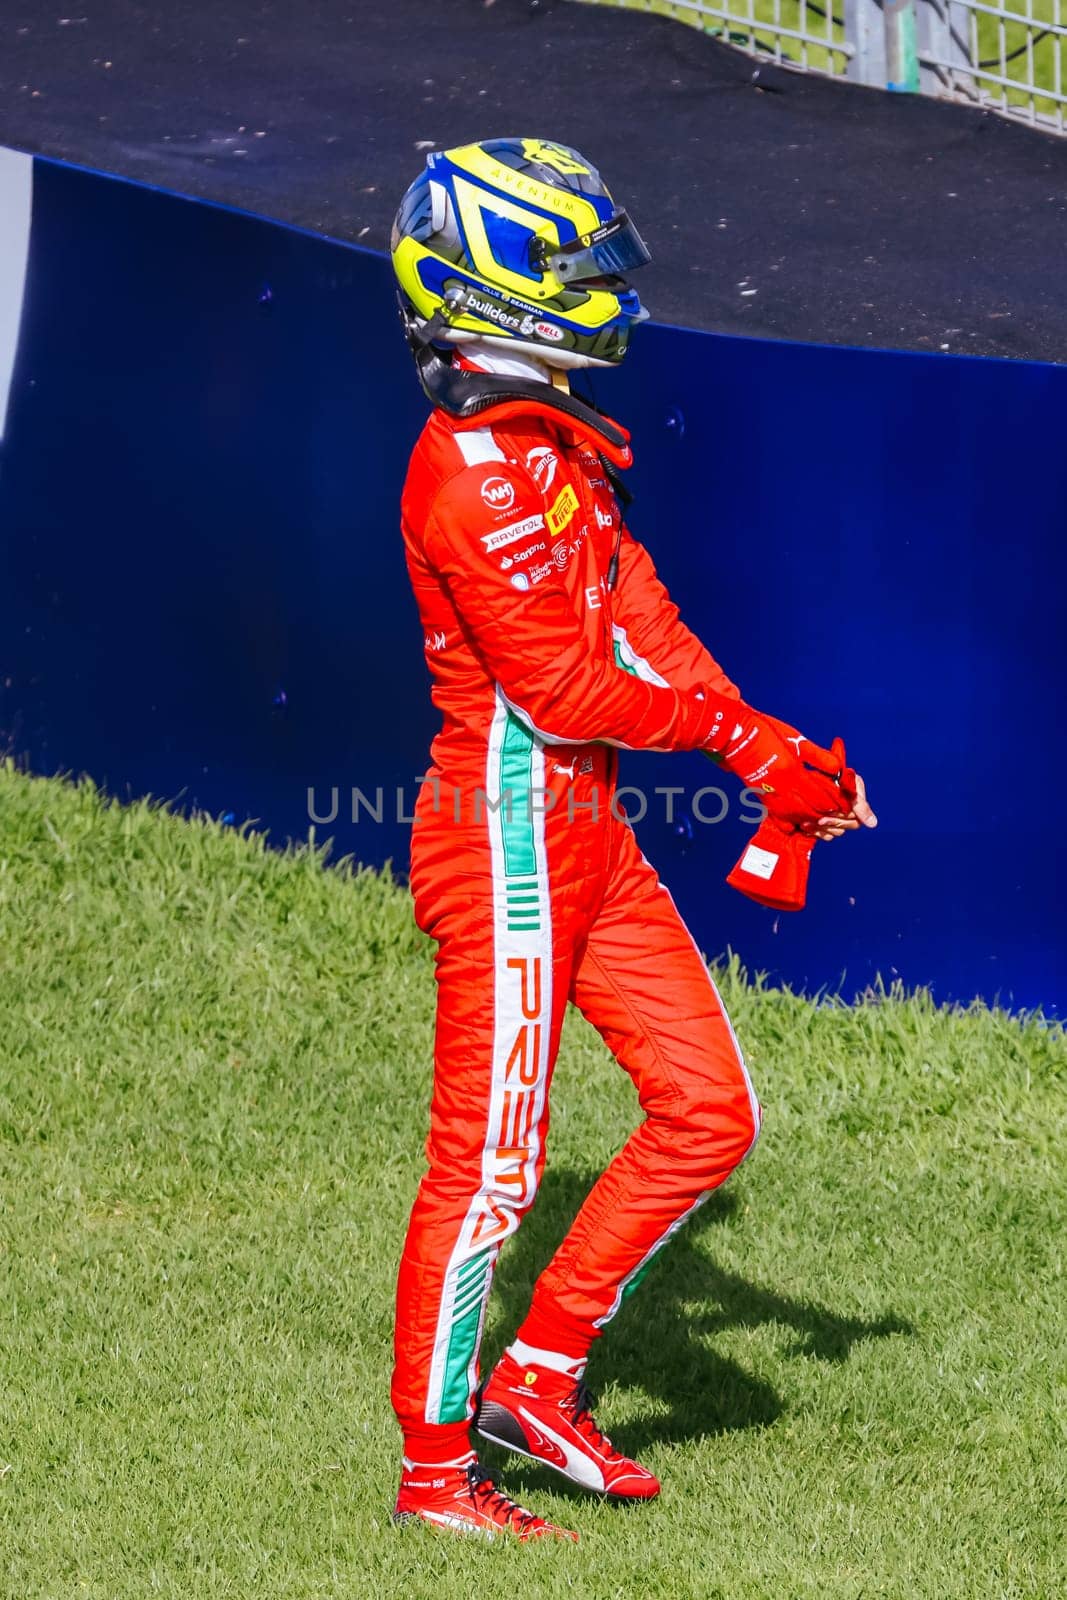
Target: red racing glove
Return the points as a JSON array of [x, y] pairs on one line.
[[798, 781], [773, 870]]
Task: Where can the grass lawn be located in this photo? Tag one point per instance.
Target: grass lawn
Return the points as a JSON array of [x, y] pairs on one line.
[[850, 1373]]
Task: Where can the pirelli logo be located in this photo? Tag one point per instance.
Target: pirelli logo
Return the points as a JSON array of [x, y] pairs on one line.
[[562, 509]]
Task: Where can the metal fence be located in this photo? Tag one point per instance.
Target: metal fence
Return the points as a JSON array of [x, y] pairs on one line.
[[1008, 56]]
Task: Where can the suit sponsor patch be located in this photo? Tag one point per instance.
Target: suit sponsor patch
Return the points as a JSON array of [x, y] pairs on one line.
[[542, 462], [521, 555], [562, 509], [498, 493], [513, 531]]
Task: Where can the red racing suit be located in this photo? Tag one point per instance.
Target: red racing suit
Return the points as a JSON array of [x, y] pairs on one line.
[[537, 894]]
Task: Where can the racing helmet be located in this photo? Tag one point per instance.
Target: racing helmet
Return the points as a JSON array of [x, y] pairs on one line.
[[518, 241]]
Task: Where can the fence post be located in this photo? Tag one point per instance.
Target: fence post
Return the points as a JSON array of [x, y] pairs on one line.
[[901, 59], [865, 32], [943, 30]]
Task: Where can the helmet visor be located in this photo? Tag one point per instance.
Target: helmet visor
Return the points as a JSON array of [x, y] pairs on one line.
[[611, 250]]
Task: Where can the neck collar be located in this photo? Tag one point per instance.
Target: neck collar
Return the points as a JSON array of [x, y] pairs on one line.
[[475, 399]]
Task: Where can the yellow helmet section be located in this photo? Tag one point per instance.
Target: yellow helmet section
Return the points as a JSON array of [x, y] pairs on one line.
[[407, 253], [562, 203]]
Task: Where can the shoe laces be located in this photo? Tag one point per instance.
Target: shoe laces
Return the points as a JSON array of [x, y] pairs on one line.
[[484, 1491], [581, 1403]]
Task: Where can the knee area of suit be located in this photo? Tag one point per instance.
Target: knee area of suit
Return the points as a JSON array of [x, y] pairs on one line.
[[720, 1131], [448, 1191]]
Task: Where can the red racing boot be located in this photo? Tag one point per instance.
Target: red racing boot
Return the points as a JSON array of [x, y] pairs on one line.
[[464, 1499], [547, 1416]]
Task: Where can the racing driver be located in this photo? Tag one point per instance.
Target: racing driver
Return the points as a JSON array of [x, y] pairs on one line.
[[551, 644]]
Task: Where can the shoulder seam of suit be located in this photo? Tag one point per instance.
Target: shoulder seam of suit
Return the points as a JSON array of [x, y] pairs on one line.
[[477, 445], [513, 467]]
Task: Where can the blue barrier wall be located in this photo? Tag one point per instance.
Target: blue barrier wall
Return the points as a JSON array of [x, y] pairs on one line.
[[203, 592]]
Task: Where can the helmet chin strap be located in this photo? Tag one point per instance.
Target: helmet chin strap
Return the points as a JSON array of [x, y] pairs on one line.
[[467, 394]]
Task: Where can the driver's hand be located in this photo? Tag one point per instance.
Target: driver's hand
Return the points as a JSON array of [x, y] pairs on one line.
[[861, 815]]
